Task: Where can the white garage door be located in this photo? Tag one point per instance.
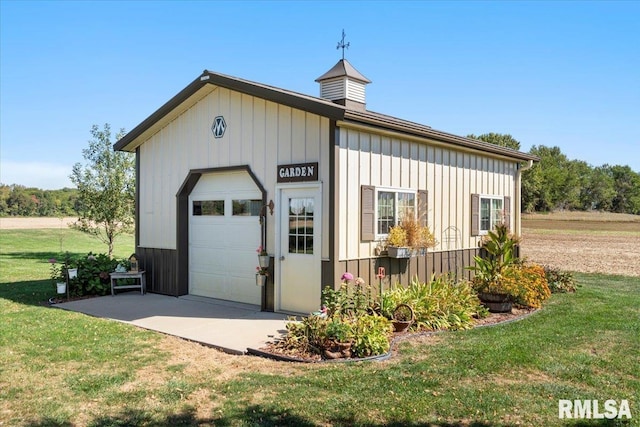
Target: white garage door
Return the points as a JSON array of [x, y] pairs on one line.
[[224, 233]]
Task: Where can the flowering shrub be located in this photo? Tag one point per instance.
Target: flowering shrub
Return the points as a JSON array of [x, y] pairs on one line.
[[349, 300], [527, 283]]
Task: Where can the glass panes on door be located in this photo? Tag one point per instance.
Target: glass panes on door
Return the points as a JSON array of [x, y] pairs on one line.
[[301, 225]]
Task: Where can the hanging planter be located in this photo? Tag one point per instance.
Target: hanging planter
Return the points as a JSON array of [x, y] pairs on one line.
[[399, 252], [61, 287], [263, 260], [73, 273], [261, 279]]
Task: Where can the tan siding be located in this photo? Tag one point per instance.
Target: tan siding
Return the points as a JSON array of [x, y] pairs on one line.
[[297, 135], [325, 151], [259, 134], [449, 176]]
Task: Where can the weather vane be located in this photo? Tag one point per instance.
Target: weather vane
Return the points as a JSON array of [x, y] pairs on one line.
[[342, 45]]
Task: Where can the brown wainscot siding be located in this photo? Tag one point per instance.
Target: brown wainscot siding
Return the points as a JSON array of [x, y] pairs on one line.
[[160, 267], [402, 271]]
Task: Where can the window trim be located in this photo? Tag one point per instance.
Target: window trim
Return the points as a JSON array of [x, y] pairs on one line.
[[395, 190]]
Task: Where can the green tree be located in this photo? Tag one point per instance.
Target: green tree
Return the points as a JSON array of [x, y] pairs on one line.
[[627, 188], [106, 188], [552, 184], [503, 140], [598, 191]]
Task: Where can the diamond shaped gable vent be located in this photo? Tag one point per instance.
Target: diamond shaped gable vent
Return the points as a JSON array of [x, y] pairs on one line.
[[218, 127]]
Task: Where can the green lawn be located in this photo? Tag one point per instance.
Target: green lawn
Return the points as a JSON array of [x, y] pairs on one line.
[[63, 369]]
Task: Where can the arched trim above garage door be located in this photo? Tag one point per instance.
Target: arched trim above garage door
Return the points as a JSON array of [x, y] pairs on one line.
[[182, 216]]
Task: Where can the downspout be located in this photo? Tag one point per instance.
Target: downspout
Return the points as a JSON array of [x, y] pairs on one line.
[[518, 213]]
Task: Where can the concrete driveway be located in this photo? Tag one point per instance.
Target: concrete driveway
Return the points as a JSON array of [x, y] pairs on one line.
[[231, 327]]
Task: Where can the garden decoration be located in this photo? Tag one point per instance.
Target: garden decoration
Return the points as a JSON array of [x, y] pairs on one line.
[[402, 318]]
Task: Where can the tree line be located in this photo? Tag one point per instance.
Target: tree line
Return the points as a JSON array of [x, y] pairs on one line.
[[558, 183], [18, 200], [555, 183]]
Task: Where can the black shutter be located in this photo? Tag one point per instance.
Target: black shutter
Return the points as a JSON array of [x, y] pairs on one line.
[[367, 213], [507, 212], [475, 214]]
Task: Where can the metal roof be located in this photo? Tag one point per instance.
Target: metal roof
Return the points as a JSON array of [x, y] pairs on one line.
[[311, 104], [343, 69]]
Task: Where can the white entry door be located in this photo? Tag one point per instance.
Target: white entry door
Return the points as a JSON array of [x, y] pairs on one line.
[[299, 257]]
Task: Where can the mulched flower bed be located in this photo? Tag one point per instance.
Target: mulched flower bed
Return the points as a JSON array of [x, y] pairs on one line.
[[274, 351]]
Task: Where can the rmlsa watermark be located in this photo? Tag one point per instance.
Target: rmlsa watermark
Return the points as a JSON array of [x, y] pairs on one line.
[[592, 409]]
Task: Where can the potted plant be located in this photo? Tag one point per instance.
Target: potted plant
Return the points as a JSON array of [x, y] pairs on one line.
[[263, 257], [340, 336], [409, 238], [57, 276], [496, 293]]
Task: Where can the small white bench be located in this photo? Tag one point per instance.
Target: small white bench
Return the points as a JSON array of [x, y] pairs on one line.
[[128, 275]]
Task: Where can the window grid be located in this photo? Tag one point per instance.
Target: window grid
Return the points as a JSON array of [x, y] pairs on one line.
[[301, 225], [392, 207], [491, 213]]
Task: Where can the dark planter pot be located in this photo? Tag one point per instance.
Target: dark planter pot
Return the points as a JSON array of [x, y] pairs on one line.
[[496, 303], [401, 325]]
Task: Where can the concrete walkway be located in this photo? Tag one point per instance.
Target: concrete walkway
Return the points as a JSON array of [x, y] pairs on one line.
[[231, 327]]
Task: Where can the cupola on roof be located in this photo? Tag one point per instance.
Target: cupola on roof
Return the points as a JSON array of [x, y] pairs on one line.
[[344, 85]]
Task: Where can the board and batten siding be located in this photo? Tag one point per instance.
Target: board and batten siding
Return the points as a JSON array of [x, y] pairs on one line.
[[449, 176], [259, 133]]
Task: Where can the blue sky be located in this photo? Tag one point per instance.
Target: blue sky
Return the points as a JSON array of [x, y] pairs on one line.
[[561, 74]]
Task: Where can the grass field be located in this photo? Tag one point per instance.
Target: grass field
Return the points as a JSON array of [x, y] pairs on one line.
[[65, 369]]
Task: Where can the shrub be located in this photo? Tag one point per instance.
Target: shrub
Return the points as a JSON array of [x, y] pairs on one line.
[[559, 281], [441, 303], [371, 335], [347, 318], [93, 274], [305, 336], [527, 284]]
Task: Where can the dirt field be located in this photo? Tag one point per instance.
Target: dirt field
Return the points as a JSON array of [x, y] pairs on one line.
[[18, 223], [586, 242], [590, 243], [618, 254]]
